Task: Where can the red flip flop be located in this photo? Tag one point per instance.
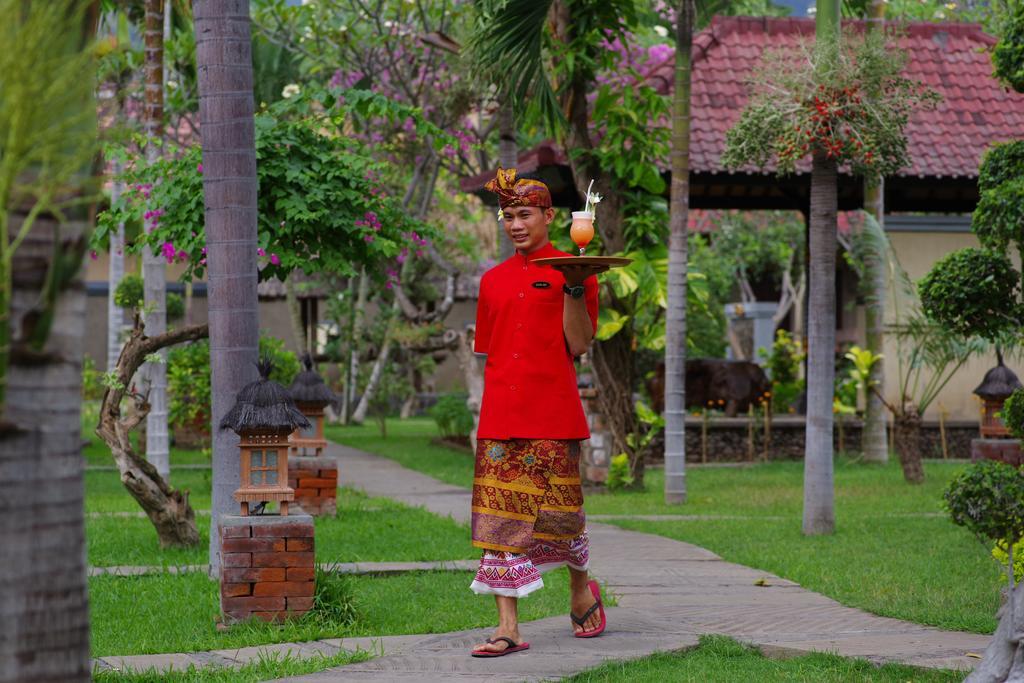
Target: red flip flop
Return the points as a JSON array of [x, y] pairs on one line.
[[595, 590], [512, 647]]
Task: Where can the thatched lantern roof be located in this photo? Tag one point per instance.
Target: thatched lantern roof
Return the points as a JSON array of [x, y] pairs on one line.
[[309, 388], [264, 406], [999, 382]]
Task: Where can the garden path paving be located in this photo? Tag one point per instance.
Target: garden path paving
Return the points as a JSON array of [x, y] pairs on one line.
[[669, 593]]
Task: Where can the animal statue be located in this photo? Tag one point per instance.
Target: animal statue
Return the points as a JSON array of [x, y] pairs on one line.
[[729, 385]]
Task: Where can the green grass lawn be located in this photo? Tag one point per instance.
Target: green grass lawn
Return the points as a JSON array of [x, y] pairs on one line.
[[894, 552], [364, 530], [263, 669], [722, 659], [177, 613]]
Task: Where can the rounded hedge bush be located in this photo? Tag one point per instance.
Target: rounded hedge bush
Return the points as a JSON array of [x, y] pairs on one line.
[[972, 292], [988, 499]]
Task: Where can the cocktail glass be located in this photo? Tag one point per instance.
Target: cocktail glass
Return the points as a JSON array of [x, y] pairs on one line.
[[582, 229]]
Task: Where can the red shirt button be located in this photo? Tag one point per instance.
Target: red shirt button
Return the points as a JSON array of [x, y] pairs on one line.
[[522, 294], [513, 387], [515, 355]]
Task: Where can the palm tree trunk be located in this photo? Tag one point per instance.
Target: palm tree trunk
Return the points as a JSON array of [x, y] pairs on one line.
[[44, 609], [675, 320], [154, 272], [875, 442], [224, 63], [115, 314], [508, 157], [819, 514]]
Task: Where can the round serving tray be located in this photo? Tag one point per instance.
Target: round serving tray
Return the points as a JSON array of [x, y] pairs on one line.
[[610, 261]]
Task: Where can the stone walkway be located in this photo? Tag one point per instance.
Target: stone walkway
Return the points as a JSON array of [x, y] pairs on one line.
[[335, 567], [669, 593]]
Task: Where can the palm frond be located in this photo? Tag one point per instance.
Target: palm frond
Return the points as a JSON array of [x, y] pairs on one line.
[[508, 45]]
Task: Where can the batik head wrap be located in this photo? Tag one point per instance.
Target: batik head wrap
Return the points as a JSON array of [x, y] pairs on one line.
[[521, 192]]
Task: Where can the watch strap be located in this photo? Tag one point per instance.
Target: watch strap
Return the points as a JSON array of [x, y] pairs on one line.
[[575, 292]]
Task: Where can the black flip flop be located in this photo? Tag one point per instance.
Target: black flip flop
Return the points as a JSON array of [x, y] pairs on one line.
[[512, 647]]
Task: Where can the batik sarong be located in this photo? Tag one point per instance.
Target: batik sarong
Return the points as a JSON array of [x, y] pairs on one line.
[[527, 513]]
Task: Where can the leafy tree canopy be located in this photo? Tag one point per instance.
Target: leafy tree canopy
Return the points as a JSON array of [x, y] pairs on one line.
[[322, 204]]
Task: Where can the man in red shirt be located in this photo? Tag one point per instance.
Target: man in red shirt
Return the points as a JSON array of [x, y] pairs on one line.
[[532, 321]]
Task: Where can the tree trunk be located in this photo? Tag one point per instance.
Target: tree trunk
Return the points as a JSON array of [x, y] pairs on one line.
[[907, 438], [819, 513], [1004, 656], [43, 607], [473, 376], [167, 508], [675, 315], [154, 270], [115, 314], [357, 334], [224, 63], [359, 415], [295, 315], [874, 441], [613, 359], [508, 157]]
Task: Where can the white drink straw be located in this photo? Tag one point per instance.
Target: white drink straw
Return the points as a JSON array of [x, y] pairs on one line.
[[586, 205]]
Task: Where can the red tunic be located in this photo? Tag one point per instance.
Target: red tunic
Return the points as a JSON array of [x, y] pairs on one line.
[[529, 382]]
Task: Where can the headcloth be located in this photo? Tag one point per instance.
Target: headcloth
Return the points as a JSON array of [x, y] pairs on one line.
[[521, 192]]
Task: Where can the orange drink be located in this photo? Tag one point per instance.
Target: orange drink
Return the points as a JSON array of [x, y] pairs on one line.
[[582, 229]]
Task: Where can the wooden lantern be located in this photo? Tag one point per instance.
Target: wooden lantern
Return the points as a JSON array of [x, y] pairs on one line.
[[311, 396], [263, 416], [995, 388], [264, 463]]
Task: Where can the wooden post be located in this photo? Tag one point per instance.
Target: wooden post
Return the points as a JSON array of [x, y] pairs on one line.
[[750, 433], [942, 432], [704, 435]]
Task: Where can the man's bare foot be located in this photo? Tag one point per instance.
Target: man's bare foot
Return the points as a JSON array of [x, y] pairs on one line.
[[500, 645], [581, 601]]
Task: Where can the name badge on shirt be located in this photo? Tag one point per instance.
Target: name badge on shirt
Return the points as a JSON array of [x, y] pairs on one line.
[[541, 284]]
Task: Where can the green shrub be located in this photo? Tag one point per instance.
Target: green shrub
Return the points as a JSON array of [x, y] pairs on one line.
[[92, 380], [783, 364], [188, 377], [1000, 555], [1008, 53], [620, 476], [987, 498], [129, 292], [1012, 413], [175, 306], [452, 416], [972, 292]]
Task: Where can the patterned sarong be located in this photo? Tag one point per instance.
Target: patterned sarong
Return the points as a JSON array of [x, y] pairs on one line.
[[525, 491]]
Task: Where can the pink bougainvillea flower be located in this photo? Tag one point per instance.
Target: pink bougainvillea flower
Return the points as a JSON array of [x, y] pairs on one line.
[[199, 167], [260, 251], [275, 259], [93, 255]]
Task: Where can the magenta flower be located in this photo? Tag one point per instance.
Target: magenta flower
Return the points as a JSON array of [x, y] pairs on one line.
[[199, 167], [93, 255], [275, 259], [260, 251]]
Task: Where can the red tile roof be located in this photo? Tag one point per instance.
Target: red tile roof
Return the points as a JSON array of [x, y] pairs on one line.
[[952, 59]]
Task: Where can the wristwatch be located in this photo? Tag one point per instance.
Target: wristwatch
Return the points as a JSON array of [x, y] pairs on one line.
[[575, 292]]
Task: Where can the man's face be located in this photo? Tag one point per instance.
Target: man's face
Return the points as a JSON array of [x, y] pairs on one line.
[[527, 226]]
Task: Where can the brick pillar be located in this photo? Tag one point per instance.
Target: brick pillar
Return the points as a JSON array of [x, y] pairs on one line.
[[1003, 450], [267, 567], [315, 480], [595, 453]]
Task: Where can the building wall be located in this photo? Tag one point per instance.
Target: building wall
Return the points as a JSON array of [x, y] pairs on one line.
[[917, 251]]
